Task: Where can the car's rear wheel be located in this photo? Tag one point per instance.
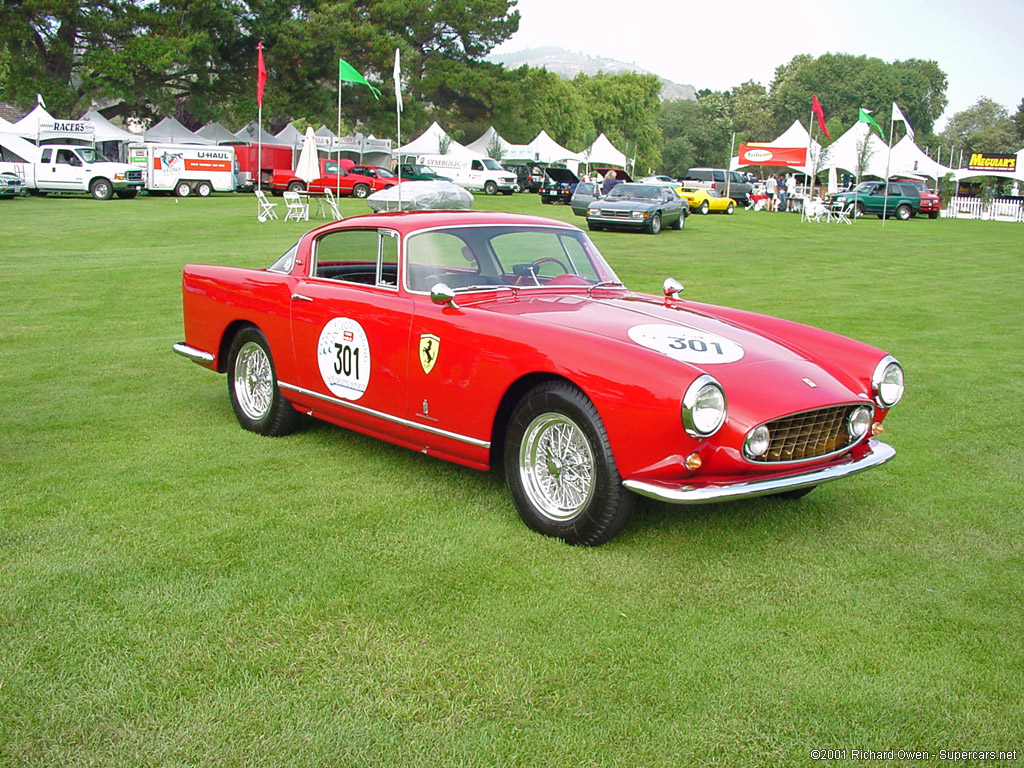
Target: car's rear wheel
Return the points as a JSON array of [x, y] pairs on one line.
[[654, 227], [256, 399], [296, 186], [360, 191], [679, 223], [560, 469], [904, 212]]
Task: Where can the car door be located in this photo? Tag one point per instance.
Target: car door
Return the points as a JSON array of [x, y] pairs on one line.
[[63, 170], [582, 196], [672, 206], [350, 331]]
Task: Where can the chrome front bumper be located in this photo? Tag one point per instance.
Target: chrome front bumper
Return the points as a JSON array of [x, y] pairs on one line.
[[684, 493]]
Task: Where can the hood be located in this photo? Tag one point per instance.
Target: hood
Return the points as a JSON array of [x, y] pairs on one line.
[[562, 176], [737, 355]]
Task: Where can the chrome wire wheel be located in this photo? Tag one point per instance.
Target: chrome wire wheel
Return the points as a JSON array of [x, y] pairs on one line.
[[254, 381], [556, 466]]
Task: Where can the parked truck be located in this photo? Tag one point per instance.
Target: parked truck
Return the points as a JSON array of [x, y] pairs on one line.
[[68, 168], [185, 169], [475, 174]]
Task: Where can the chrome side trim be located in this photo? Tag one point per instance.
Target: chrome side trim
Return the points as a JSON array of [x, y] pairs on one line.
[[485, 444], [691, 494], [193, 354]]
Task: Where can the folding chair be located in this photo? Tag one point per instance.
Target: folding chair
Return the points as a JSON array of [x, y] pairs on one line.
[[266, 210], [297, 209], [332, 204], [842, 214], [816, 211]]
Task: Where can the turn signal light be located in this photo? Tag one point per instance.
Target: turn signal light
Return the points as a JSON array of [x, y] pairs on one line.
[[693, 462], [877, 429]]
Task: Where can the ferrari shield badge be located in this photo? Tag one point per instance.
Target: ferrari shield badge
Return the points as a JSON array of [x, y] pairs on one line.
[[430, 345]]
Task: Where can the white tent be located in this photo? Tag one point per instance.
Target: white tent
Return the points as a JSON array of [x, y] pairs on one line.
[[967, 173], [844, 152], [547, 150], [794, 137], [429, 143], [106, 130], [218, 134], [170, 131], [484, 144], [908, 159], [603, 152], [40, 125], [14, 149]]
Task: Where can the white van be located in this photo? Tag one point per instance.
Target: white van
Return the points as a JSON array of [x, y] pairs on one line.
[[185, 169], [477, 175]]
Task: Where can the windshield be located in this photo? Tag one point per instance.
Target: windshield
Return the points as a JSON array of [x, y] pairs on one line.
[[635, 192], [492, 165], [503, 256]]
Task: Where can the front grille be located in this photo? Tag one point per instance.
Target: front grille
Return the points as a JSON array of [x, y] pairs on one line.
[[809, 435], [133, 176], [615, 214]]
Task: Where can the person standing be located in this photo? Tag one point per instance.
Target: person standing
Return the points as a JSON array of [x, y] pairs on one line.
[[771, 187], [791, 188]]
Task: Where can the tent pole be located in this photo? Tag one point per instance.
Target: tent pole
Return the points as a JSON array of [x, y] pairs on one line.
[[888, 160]]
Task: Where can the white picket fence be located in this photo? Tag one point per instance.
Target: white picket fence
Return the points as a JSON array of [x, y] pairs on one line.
[[976, 208]]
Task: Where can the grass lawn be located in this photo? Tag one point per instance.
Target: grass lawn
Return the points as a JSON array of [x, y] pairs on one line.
[[175, 591]]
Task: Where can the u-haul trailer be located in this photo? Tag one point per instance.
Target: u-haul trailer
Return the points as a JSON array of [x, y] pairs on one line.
[[185, 169]]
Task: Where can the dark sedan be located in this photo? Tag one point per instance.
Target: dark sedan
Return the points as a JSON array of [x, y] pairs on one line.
[[642, 207]]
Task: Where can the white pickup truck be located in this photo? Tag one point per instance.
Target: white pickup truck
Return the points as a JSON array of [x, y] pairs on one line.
[[69, 168]]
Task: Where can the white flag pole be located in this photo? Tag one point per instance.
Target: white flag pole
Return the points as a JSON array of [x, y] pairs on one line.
[[398, 118]]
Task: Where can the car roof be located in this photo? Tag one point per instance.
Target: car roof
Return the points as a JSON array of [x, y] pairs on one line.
[[408, 222]]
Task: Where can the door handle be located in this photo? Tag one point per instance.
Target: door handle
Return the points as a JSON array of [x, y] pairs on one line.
[[300, 297]]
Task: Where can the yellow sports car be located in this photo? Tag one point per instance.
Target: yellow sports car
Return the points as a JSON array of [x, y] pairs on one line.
[[704, 201]]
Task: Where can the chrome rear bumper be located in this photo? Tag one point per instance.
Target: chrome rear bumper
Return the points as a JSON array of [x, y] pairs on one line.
[[684, 493]]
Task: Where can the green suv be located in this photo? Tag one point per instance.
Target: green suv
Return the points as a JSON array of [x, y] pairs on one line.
[[904, 201]]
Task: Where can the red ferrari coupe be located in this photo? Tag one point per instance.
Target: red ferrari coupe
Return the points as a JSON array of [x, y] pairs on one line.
[[486, 338]]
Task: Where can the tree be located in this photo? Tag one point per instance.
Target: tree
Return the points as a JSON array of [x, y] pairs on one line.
[[984, 127]]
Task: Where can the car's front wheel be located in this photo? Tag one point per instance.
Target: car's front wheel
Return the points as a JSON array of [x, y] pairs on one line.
[[704, 208], [560, 469], [101, 189], [490, 188], [730, 209], [256, 399], [654, 227]]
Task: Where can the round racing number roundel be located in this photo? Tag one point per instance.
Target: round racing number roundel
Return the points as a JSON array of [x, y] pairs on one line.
[[687, 344], [343, 355]]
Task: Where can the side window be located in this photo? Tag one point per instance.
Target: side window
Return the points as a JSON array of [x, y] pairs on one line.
[[330, 166], [67, 157], [47, 153], [719, 175], [354, 256], [477, 165]]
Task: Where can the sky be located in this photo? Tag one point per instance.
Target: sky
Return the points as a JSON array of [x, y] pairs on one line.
[[723, 43]]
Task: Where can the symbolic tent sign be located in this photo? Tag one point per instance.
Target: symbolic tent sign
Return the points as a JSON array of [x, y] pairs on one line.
[[765, 154]]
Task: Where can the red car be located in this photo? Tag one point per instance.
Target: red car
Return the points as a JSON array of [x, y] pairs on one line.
[[343, 178], [485, 338]]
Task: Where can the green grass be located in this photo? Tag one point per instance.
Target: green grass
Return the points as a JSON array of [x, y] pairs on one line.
[[175, 591]]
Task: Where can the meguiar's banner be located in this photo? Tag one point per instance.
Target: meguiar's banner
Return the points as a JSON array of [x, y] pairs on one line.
[[762, 154], [982, 161]]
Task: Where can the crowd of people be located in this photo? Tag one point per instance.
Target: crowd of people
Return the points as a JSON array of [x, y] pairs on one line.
[[780, 190]]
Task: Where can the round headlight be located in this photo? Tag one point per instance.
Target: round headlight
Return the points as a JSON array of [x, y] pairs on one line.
[[757, 442], [859, 421], [703, 407], [887, 382]]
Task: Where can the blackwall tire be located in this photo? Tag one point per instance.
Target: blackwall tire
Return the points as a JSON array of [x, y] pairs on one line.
[[560, 470], [360, 191], [203, 189], [490, 188], [256, 399], [655, 225], [904, 212], [101, 189], [183, 189]]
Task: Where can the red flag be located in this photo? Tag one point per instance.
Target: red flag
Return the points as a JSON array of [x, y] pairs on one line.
[[261, 75], [820, 114]]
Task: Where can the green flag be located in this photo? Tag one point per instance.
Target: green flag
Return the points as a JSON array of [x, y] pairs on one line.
[[865, 117], [348, 74]]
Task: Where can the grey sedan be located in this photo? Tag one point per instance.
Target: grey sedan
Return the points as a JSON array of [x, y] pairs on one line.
[[642, 207]]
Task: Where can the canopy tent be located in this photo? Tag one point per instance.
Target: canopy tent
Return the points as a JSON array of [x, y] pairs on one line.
[[794, 137], [170, 131], [908, 160], [251, 135], [218, 134], [14, 149], [1017, 174], [603, 152], [546, 150], [485, 143], [39, 125], [845, 152], [290, 135], [106, 130], [429, 143]]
